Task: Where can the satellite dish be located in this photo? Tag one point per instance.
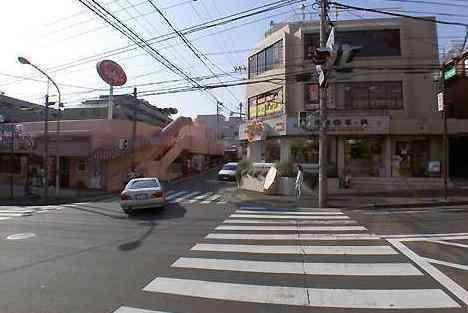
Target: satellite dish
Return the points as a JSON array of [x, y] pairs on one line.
[[270, 178]]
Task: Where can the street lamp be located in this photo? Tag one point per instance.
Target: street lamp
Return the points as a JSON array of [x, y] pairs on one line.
[[25, 61]]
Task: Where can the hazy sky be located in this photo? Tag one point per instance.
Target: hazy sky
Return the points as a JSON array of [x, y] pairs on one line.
[[52, 33]]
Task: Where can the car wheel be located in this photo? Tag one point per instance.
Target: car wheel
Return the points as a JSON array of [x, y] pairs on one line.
[[128, 211]]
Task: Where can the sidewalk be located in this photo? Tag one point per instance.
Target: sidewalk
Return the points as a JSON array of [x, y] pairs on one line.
[[404, 199]]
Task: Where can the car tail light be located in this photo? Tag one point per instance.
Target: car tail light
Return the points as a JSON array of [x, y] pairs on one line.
[[124, 197], [157, 194]]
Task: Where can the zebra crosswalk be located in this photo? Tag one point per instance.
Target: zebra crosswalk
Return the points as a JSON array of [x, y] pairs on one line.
[[187, 196], [307, 246]]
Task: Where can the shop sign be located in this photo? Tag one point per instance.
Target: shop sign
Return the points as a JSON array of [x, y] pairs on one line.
[[267, 105], [255, 130], [337, 125]]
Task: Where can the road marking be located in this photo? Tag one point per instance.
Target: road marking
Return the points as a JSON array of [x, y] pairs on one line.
[[2, 218], [260, 209], [345, 269], [180, 199], [314, 297], [174, 195], [127, 309], [15, 213], [287, 212], [211, 199], [200, 197], [291, 228], [443, 279], [289, 217], [227, 291], [455, 244], [449, 264], [426, 237], [289, 222], [292, 236], [309, 250], [21, 236]]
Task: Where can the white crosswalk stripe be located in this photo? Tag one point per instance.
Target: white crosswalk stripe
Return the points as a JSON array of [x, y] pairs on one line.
[[344, 269], [289, 217], [367, 256], [315, 297], [302, 213], [299, 237], [186, 196], [296, 249], [289, 222], [291, 228]]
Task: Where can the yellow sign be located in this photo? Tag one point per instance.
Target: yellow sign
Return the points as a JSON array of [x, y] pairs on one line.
[[265, 109]]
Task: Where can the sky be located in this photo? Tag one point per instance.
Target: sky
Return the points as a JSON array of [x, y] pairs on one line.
[[54, 33]]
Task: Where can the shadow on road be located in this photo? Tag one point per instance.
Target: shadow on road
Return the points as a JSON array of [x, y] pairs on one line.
[[149, 218]]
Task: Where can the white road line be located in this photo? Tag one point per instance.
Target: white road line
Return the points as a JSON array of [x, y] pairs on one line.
[[211, 199], [15, 214], [291, 228], [425, 237], [174, 195], [222, 236], [289, 222], [2, 218], [345, 269], [180, 199], [289, 217], [449, 264], [127, 309], [287, 212], [261, 209], [455, 244], [200, 197], [443, 279], [309, 250], [314, 297]]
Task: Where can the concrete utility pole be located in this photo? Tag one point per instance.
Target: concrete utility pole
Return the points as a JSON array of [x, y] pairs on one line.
[[134, 128], [46, 149], [323, 185], [217, 120]]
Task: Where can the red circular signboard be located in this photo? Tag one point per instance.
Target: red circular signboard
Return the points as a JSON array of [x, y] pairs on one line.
[[111, 73]]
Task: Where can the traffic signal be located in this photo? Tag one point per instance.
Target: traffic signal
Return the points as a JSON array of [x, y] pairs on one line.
[[345, 56]]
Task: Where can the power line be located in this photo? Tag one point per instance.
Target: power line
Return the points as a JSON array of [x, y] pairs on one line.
[[398, 14]]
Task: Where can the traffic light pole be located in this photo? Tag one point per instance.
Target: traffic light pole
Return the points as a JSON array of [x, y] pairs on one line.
[[134, 128], [323, 115]]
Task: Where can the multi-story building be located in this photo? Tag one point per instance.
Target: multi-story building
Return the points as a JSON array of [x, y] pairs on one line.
[[228, 131], [382, 116]]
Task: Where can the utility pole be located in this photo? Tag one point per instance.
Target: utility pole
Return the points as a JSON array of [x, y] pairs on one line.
[[46, 149], [323, 114], [240, 111], [217, 120], [444, 134], [134, 128], [12, 157]]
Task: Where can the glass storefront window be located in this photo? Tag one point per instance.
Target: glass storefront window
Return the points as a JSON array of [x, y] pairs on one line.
[[411, 158], [364, 157], [304, 150]]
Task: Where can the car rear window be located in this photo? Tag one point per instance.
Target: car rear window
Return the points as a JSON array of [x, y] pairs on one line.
[[148, 183], [230, 167]]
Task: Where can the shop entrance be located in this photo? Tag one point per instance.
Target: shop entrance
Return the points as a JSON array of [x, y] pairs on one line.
[[458, 157]]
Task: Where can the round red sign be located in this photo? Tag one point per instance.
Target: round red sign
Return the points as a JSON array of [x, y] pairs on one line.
[[111, 73]]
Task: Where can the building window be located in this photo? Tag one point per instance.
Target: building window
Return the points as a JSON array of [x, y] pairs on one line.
[[10, 164], [267, 59], [374, 43], [364, 157], [372, 95], [266, 105], [82, 166]]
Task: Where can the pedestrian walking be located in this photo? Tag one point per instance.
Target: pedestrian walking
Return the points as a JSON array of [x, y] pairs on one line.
[[299, 181]]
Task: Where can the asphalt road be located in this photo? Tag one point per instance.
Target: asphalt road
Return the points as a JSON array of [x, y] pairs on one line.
[[205, 254]]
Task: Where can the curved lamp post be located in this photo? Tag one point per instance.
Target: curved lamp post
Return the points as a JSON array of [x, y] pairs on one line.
[[23, 60]]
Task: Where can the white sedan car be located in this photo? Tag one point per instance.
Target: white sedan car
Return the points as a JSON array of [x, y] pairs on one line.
[[141, 193]]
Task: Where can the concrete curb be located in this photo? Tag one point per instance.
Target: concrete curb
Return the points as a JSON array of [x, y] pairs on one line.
[[411, 205]]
